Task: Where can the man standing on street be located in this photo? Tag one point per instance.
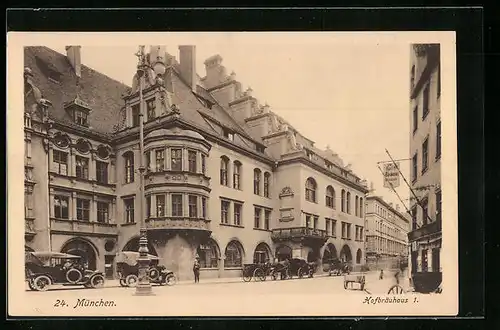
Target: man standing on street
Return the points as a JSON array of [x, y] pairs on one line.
[[196, 269]]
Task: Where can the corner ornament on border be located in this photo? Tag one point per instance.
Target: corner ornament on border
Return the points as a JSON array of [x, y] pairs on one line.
[[286, 191]]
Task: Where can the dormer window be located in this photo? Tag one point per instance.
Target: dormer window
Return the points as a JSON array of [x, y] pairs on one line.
[[151, 108], [228, 135], [79, 110], [81, 118], [260, 149]]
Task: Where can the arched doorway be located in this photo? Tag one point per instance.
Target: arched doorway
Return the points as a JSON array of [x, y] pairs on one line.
[[209, 254], [262, 254], [359, 255], [82, 248], [283, 252], [330, 253], [313, 255], [345, 254], [133, 245]]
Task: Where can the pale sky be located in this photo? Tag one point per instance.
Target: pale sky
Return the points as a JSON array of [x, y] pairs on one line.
[[351, 93]]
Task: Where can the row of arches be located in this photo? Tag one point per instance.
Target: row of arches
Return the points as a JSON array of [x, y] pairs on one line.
[[210, 253], [83, 146], [311, 194]]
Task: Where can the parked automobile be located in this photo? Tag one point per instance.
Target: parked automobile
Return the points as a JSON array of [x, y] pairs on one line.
[[46, 268], [293, 267], [337, 267], [127, 263]]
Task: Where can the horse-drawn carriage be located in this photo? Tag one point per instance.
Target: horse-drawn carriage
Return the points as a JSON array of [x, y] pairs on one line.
[[43, 269], [128, 270], [286, 269]]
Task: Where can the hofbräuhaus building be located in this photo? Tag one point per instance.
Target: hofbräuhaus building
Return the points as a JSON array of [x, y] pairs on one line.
[[226, 179]]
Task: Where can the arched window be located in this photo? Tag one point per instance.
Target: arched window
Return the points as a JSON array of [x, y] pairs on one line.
[[208, 254], [236, 175], [330, 197], [311, 187], [262, 254], [359, 255], [234, 255], [348, 203], [256, 181], [356, 205], [129, 166], [361, 207], [224, 164], [267, 183], [342, 197]]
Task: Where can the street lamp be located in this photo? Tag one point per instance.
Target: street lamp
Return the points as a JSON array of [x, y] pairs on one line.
[[143, 288]]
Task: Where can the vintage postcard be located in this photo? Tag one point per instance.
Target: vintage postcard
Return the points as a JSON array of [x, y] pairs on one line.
[[232, 174]]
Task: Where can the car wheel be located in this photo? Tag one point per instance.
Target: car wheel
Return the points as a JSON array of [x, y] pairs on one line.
[[41, 283], [131, 280], [300, 273], [122, 282], [97, 281], [171, 280], [74, 276], [153, 273]]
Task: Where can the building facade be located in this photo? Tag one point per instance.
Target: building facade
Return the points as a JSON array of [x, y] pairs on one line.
[[425, 152], [386, 234], [226, 179]]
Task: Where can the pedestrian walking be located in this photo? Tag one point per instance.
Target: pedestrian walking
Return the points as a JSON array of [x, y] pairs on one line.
[[196, 269], [396, 275], [381, 276]]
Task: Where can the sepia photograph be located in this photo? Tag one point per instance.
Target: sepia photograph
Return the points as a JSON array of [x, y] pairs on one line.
[[232, 174]]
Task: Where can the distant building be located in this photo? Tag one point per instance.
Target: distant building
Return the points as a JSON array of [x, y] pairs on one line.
[[425, 152], [227, 179], [386, 234]]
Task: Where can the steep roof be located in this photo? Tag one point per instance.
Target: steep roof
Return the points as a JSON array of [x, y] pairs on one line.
[[102, 93], [193, 109]]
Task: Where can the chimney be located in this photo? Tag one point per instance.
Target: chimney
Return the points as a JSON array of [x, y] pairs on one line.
[[397, 207], [187, 55], [74, 57]]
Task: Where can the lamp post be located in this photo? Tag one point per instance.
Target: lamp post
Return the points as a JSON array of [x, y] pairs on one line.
[[143, 288]]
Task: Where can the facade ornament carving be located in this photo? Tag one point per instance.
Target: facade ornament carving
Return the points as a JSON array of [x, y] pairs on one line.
[[41, 105], [293, 140], [286, 191], [274, 123]]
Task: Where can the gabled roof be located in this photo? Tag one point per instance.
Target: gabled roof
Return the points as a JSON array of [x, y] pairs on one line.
[[193, 109], [102, 93]]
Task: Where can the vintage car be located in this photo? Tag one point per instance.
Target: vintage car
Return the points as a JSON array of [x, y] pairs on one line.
[[127, 263], [46, 268], [337, 267], [293, 267]]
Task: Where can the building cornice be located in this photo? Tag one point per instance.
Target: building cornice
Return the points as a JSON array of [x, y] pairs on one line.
[[307, 162], [383, 202], [81, 132], [221, 86]]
